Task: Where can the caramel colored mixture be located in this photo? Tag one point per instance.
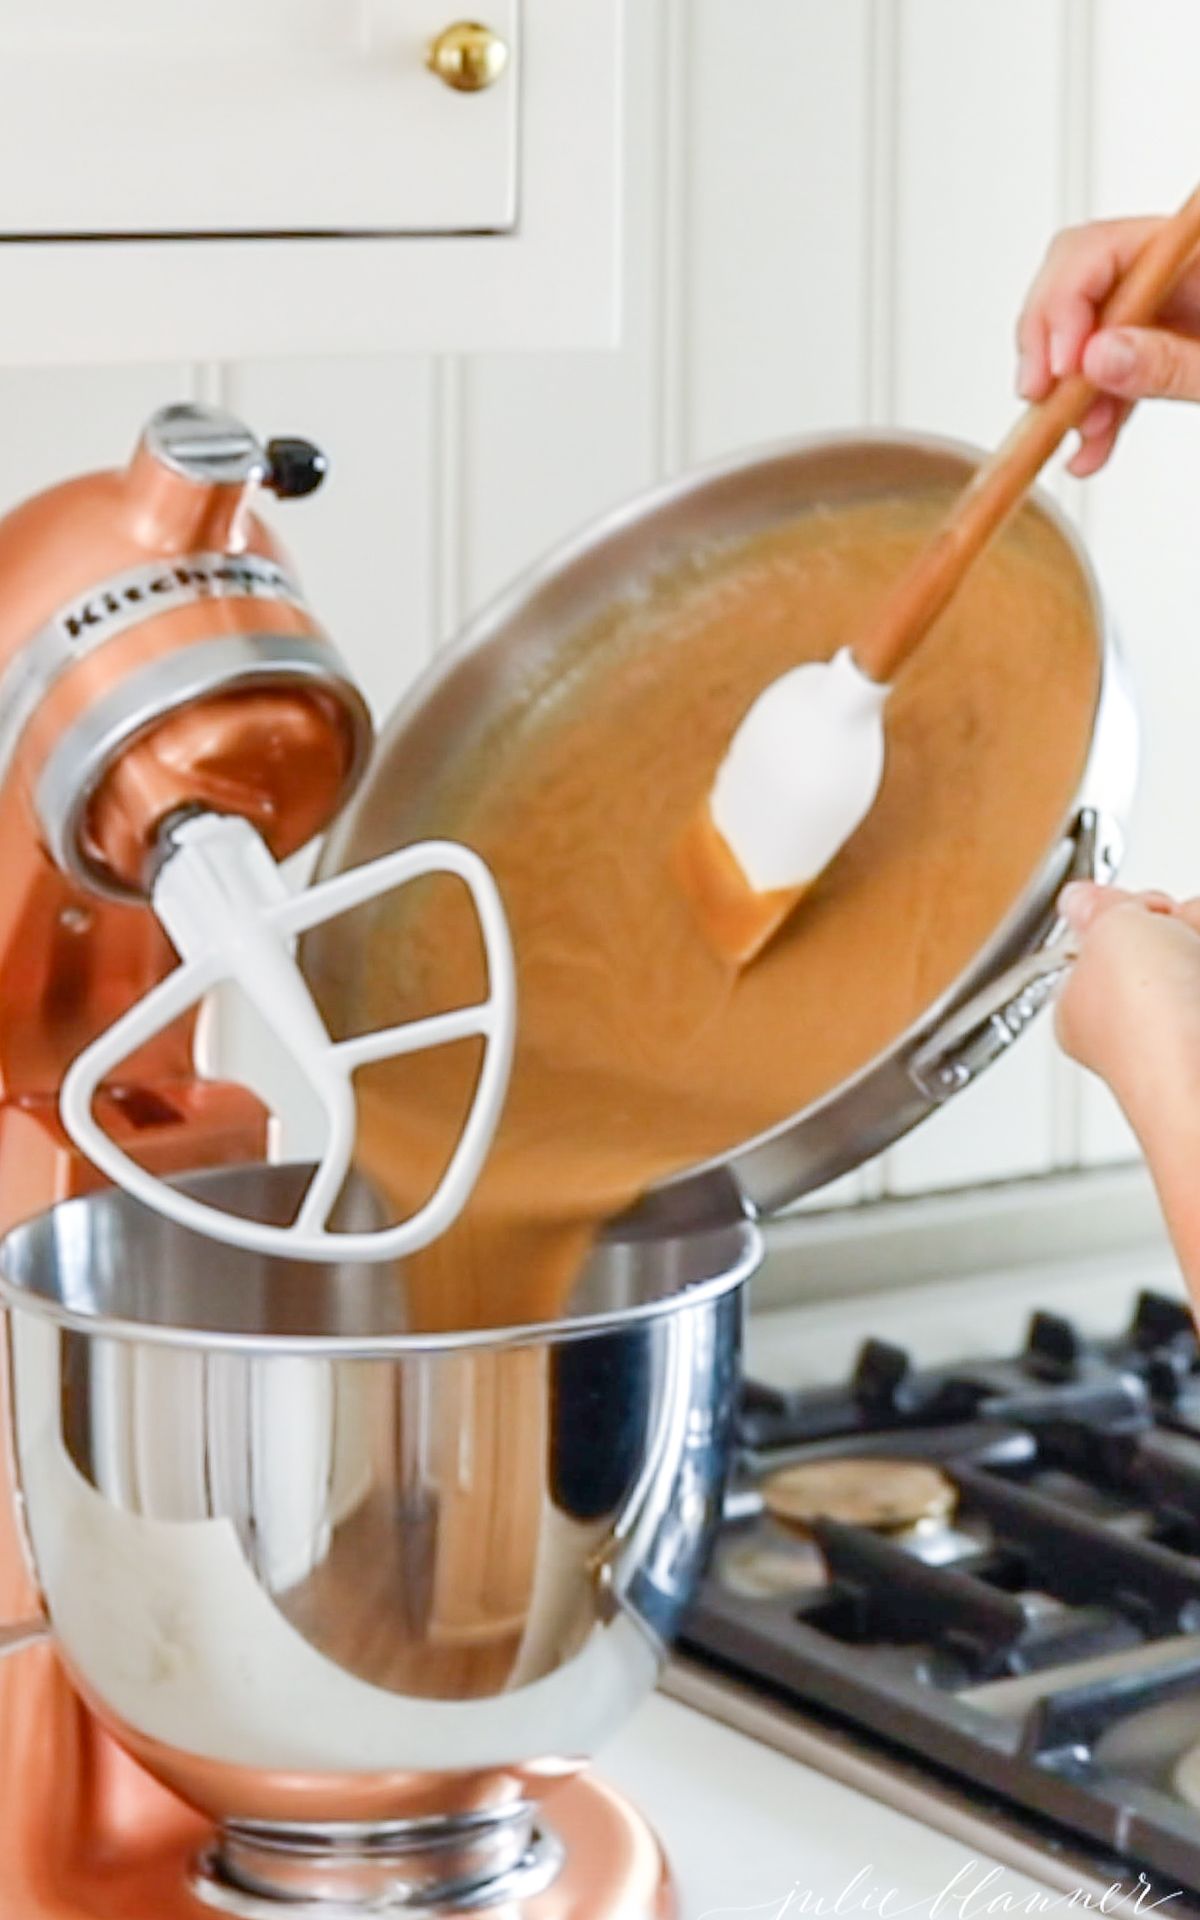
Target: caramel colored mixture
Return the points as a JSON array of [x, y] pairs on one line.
[[639, 1053]]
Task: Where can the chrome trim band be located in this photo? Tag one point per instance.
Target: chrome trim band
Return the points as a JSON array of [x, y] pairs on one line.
[[415, 1868], [83, 754], [113, 606], [206, 445]]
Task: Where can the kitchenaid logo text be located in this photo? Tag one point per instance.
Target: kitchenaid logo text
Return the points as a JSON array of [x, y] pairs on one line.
[[978, 1891], [132, 596]]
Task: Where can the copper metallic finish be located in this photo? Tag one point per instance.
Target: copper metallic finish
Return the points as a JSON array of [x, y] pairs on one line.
[[211, 1786], [615, 1866], [170, 514], [279, 758], [114, 1846], [168, 632], [87, 1833], [884, 1495]]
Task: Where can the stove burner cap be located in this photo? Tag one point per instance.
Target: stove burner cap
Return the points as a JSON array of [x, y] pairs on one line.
[[887, 1496]]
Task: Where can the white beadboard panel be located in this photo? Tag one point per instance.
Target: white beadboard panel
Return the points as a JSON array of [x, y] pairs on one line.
[[997, 1129], [55, 422], [1142, 510], [547, 440], [776, 213], [364, 544], [973, 211], [977, 195]]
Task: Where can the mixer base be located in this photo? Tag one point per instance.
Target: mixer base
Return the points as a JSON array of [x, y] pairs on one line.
[[599, 1861]]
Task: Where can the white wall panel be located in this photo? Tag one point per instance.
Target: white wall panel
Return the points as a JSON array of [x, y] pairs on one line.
[[58, 421], [977, 194], [776, 322], [548, 440], [364, 544]]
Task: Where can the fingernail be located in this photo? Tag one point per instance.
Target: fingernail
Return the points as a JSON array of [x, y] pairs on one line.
[[1060, 354], [1074, 902], [1113, 356]]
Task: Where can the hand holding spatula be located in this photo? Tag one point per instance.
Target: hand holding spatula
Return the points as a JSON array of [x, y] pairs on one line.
[[804, 768]]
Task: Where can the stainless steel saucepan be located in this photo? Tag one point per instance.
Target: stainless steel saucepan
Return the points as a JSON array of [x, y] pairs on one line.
[[519, 639]]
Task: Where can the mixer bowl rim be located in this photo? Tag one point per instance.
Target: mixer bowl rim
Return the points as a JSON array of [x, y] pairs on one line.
[[770, 1192], [34, 1243]]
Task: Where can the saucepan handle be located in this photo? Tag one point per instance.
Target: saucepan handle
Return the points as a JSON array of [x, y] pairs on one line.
[[986, 1025]]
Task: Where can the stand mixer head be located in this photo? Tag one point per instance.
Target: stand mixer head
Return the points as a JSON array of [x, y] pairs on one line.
[[169, 730]]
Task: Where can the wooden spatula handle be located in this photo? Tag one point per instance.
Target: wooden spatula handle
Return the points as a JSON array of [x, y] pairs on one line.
[[1003, 480]]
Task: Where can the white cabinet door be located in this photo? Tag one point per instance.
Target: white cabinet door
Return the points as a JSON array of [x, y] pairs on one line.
[[239, 179], [249, 117]]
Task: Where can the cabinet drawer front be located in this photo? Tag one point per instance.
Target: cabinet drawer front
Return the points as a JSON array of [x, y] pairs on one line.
[[260, 117]]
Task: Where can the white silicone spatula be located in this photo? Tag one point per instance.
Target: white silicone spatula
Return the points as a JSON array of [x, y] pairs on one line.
[[804, 767]]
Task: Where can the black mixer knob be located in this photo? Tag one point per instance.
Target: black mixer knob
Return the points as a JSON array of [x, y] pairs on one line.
[[297, 467]]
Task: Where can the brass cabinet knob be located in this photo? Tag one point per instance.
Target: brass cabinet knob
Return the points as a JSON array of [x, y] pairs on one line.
[[468, 56]]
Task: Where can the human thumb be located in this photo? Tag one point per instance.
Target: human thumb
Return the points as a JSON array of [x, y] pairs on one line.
[[1083, 901], [1143, 363]]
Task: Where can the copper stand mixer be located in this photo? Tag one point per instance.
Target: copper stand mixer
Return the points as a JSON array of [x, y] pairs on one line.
[[242, 1490]]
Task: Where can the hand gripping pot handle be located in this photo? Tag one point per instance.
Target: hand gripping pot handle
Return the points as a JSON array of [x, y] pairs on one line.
[[232, 918], [978, 1032]]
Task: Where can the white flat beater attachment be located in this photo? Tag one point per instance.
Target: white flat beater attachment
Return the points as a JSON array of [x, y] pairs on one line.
[[232, 919]]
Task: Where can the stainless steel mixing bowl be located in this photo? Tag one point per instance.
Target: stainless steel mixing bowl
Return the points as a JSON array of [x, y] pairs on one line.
[[346, 1585], [525, 637]]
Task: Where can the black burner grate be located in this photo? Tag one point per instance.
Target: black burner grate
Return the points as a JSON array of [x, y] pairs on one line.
[[1044, 1646]]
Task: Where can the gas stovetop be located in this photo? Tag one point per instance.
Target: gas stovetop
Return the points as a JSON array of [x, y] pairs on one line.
[[1036, 1645]]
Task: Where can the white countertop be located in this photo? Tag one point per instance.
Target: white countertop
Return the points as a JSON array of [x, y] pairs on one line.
[[746, 1827]]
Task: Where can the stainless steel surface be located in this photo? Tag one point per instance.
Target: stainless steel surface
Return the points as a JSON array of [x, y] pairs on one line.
[[512, 649], [85, 751], [315, 1568], [404, 1868], [987, 1024], [206, 445]]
